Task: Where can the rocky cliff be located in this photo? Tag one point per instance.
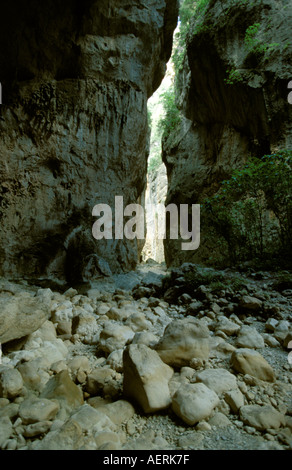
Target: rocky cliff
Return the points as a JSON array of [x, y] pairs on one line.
[[75, 77], [232, 92]]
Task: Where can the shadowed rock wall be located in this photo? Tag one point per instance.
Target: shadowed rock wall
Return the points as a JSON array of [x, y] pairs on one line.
[[76, 77], [233, 97]]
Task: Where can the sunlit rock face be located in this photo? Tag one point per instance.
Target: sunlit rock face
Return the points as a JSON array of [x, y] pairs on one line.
[[234, 98], [76, 77], [155, 215]]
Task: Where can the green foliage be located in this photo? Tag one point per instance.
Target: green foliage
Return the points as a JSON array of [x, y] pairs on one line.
[[171, 118], [255, 44], [195, 279], [250, 36], [236, 284], [191, 21], [154, 163], [283, 282], [214, 280], [234, 76], [252, 212]]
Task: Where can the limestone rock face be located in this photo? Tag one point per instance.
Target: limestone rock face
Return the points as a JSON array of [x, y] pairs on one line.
[[75, 79], [225, 123]]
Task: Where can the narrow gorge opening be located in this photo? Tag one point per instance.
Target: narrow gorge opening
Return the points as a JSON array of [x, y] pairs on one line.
[[157, 179], [157, 184]]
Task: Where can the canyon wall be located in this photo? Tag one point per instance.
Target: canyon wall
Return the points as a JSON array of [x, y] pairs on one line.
[[232, 93], [76, 77]]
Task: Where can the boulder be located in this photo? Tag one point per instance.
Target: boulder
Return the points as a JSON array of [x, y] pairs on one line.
[[194, 402], [37, 429], [90, 419], [262, 417], [67, 437], [115, 336], [182, 341], [249, 303], [227, 326], [146, 378], [235, 399], [79, 368], [98, 380], [33, 375], [248, 361], [20, 316], [118, 412], [34, 410], [11, 383], [248, 337], [218, 380], [62, 388]]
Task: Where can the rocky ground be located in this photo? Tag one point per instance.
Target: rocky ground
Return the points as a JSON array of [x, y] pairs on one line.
[[193, 359]]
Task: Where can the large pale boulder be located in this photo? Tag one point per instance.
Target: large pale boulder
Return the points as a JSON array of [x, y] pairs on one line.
[[119, 411], [248, 337], [67, 437], [20, 316], [146, 378], [194, 402], [90, 419], [249, 361], [262, 417], [115, 336], [63, 389], [184, 340], [218, 380], [33, 410], [227, 326], [235, 399], [11, 383]]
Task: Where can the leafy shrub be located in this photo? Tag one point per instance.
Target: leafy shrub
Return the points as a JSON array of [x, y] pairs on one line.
[[252, 212], [195, 279], [234, 76], [171, 118], [283, 282], [191, 15], [255, 44]]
